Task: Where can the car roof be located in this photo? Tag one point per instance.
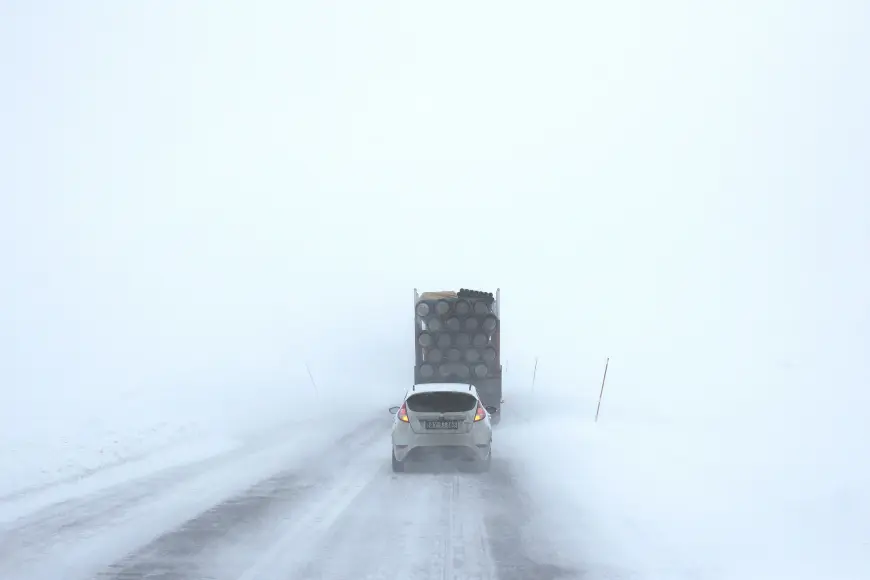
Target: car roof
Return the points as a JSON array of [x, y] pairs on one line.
[[441, 387]]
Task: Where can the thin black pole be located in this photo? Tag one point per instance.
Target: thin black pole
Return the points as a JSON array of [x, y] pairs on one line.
[[310, 376], [535, 373], [601, 394]]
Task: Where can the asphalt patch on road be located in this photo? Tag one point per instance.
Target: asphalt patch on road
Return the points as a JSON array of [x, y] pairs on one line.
[[182, 553], [175, 556]]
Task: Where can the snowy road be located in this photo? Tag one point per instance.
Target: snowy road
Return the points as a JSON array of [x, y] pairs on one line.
[[335, 510]]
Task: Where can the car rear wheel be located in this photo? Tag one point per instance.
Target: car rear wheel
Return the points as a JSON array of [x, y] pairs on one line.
[[483, 465], [398, 466]]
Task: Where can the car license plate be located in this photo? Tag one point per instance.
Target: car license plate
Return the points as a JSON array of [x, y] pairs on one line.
[[442, 424]]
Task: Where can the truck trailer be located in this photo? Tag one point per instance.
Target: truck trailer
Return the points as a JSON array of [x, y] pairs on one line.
[[457, 339]]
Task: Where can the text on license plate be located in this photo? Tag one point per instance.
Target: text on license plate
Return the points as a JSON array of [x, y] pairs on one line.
[[442, 424]]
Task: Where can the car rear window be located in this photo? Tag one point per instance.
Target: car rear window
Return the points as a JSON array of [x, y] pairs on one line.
[[441, 402]]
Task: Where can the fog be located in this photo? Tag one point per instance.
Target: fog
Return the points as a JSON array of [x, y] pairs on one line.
[[199, 199]]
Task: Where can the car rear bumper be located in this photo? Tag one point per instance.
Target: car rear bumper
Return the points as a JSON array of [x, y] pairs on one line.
[[473, 445], [447, 452]]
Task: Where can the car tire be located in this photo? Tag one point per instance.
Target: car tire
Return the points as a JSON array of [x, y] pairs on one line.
[[483, 465], [398, 466]]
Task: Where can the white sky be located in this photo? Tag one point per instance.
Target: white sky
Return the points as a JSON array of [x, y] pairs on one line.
[[186, 186]]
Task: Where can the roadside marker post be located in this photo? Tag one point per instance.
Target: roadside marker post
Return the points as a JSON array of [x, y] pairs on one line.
[[601, 394], [534, 374]]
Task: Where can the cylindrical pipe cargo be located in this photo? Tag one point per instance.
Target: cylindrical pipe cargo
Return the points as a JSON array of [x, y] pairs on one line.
[[489, 323]]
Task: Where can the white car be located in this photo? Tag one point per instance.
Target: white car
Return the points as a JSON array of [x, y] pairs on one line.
[[445, 420]]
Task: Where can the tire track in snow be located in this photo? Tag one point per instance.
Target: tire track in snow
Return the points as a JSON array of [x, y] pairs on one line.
[[346, 515], [517, 552], [470, 556], [79, 537], [426, 527], [29, 538], [225, 536], [88, 509]]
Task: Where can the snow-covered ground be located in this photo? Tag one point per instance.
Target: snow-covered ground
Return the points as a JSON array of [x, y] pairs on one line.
[[649, 492], [318, 503], [79, 439], [103, 520], [689, 494]]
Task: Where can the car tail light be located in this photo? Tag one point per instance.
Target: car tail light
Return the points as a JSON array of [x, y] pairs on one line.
[[479, 416], [403, 414]]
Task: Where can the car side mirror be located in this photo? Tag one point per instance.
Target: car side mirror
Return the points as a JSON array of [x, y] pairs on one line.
[[394, 410], [491, 410]]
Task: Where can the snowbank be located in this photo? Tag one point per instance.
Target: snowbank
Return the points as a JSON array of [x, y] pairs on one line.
[[69, 436], [55, 451], [657, 495]]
